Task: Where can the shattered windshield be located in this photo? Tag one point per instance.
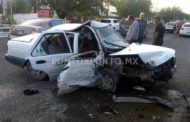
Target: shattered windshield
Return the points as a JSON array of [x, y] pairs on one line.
[[110, 36]]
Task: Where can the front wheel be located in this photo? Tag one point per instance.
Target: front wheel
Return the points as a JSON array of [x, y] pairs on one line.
[[110, 79], [35, 74]]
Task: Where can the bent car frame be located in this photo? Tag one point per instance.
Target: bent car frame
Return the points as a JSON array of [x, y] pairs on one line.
[[76, 54]]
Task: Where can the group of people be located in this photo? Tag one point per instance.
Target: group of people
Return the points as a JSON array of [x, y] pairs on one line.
[[138, 30]]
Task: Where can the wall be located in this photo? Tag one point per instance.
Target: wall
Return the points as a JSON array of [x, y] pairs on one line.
[[19, 18]]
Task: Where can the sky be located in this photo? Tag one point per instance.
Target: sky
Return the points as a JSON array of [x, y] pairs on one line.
[[183, 4]]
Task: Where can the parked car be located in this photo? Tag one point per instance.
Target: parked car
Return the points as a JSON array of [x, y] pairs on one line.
[[170, 27], [86, 54], [35, 26], [5, 32], [185, 29], [112, 22], [124, 26]]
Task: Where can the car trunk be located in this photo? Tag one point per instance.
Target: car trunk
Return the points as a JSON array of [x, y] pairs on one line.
[[22, 30], [4, 31]]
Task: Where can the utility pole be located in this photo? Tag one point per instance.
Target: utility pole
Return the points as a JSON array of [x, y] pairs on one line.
[[157, 5], [2, 12], [11, 11]]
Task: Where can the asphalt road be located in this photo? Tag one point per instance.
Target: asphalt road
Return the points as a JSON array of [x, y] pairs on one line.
[[89, 104]]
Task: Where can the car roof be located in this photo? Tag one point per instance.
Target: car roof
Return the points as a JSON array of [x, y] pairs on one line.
[[109, 19], [65, 27], [73, 26], [41, 20]]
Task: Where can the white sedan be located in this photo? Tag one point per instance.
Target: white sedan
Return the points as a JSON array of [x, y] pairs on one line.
[[185, 29], [79, 51], [38, 53]]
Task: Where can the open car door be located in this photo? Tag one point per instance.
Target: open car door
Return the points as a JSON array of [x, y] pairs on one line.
[[79, 73], [50, 48]]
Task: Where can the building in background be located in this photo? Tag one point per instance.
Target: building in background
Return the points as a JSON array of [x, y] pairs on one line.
[[108, 10]]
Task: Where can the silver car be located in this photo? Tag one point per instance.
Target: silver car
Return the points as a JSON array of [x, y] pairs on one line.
[[35, 26]]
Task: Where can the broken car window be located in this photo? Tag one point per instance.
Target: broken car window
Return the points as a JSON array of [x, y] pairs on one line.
[[51, 44], [87, 41]]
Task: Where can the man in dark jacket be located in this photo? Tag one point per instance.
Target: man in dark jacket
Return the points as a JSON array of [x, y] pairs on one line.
[[158, 33]]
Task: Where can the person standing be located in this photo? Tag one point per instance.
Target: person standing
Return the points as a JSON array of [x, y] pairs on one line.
[[159, 32], [142, 27], [133, 32]]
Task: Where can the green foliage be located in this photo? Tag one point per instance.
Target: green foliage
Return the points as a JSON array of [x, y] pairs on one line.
[[18, 6], [7, 19], [132, 7], [172, 14], [75, 8], [1, 8]]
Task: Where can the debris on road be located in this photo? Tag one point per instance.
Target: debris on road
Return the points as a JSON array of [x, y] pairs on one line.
[[139, 88], [154, 117], [141, 116], [131, 99], [91, 116], [145, 99], [107, 110], [30, 92]]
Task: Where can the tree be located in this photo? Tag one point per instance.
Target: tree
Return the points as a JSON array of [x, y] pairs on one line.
[[34, 4], [172, 14], [21, 6], [77, 8], [132, 7], [1, 7]]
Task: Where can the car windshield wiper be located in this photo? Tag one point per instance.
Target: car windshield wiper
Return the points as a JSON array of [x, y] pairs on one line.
[[114, 44]]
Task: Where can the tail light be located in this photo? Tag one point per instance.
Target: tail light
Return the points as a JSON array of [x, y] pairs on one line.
[[34, 30]]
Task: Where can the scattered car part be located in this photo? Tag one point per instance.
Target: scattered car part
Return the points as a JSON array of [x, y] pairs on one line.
[[106, 110], [30, 92], [154, 117], [139, 88], [131, 99], [145, 99]]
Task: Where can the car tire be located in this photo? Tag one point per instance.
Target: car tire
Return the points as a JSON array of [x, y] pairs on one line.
[[35, 74], [109, 80]]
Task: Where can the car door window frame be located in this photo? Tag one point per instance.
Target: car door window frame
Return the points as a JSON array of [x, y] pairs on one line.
[[42, 36]]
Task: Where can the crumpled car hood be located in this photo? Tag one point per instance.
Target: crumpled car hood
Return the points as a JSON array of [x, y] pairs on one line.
[[148, 53]]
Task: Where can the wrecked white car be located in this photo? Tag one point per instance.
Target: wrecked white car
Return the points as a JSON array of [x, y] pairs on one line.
[[39, 53], [103, 56]]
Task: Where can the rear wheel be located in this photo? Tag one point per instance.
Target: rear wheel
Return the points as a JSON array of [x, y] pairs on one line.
[[35, 74], [110, 79]]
